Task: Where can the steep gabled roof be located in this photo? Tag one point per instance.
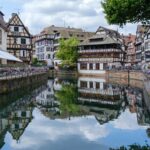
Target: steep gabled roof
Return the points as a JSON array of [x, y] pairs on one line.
[[107, 37], [11, 20], [142, 28], [108, 31]]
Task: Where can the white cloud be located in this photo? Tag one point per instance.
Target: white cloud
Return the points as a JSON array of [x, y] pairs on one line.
[[127, 121], [86, 128], [86, 14]]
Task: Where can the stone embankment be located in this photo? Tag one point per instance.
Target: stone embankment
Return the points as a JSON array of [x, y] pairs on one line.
[[11, 83], [130, 75], [132, 78]]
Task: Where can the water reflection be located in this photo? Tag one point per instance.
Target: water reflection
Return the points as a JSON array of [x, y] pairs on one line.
[[90, 111]]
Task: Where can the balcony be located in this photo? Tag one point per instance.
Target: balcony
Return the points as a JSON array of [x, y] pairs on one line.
[[139, 51], [57, 36], [56, 44], [19, 46], [99, 50], [148, 49], [138, 59], [100, 59]]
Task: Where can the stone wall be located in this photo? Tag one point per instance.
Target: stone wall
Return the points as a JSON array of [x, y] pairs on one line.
[[132, 75], [7, 86]]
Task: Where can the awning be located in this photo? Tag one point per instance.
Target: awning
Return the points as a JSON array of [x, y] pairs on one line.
[[8, 56]]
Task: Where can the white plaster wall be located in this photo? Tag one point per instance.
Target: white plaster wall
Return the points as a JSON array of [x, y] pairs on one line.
[[3, 46], [92, 72]]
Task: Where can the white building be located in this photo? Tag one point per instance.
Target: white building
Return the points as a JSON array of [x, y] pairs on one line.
[[98, 91], [102, 51], [146, 44], [57, 34], [46, 98], [3, 36], [44, 48]]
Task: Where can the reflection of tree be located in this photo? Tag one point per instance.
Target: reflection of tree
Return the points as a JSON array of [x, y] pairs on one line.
[[148, 132], [68, 96], [133, 147]]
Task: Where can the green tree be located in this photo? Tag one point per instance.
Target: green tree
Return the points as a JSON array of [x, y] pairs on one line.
[[34, 61], [67, 51], [121, 12], [133, 147], [68, 97]]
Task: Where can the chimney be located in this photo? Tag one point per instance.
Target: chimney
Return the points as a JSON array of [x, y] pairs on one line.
[[13, 14]]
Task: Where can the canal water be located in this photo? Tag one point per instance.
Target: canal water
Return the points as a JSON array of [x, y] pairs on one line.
[[74, 114]]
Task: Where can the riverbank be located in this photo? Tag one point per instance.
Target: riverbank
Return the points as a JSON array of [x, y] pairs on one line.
[[135, 79], [10, 84]]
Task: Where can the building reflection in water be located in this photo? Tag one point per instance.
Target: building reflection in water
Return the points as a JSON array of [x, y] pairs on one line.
[[15, 117], [94, 97], [63, 98]]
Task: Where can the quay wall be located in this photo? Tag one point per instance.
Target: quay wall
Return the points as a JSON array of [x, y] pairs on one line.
[[9, 85], [131, 75]]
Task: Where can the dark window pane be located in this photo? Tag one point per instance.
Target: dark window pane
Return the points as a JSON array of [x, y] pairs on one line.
[[16, 29], [91, 66], [83, 66], [83, 84], [97, 85], [97, 66], [23, 41], [91, 84]]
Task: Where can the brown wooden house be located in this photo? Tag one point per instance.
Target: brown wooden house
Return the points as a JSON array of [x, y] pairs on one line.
[[102, 51]]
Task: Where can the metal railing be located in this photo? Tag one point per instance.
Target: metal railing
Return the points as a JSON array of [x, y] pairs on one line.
[[13, 73]]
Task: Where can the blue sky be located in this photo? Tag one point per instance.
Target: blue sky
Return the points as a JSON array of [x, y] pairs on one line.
[[36, 15], [78, 133]]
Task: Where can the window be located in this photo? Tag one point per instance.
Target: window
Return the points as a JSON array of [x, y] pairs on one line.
[[0, 36], [23, 41], [48, 56], [148, 36], [97, 66], [23, 53], [91, 84], [97, 85], [83, 84], [48, 49], [91, 66], [147, 55], [16, 29], [83, 66], [23, 114], [15, 40], [138, 47], [147, 45]]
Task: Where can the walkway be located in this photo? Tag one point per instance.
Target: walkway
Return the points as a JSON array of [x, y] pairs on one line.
[[13, 73]]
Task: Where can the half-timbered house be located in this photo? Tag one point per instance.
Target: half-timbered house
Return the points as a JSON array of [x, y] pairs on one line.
[[102, 51], [19, 39]]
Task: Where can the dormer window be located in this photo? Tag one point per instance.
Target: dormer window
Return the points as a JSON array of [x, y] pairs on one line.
[[16, 29], [97, 40]]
